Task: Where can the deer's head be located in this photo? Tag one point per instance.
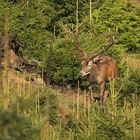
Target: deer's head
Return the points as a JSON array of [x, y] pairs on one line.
[[87, 66], [89, 61]]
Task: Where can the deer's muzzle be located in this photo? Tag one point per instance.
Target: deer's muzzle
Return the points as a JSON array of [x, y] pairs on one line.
[[83, 73]]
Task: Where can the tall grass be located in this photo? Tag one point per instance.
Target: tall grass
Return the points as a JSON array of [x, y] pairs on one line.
[[5, 70], [6, 60], [42, 113], [54, 115]]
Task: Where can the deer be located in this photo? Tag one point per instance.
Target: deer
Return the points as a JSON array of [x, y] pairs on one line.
[[99, 69]]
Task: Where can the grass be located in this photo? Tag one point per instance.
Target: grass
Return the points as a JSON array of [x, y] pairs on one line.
[[33, 111], [43, 113], [38, 112]]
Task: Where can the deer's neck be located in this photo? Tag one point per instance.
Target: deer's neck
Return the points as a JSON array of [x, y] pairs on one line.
[[94, 74]]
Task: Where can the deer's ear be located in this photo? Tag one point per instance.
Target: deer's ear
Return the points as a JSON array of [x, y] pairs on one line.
[[97, 59], [100, 60]]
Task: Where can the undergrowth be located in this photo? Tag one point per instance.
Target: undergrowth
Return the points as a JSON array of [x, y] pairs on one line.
[[40, 112]]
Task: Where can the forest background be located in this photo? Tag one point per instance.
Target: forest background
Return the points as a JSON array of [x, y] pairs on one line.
[[48, 28]]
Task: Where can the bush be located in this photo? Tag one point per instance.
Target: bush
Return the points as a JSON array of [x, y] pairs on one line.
[[65, 64]]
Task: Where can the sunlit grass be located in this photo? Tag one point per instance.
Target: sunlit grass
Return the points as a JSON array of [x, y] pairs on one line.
[[40, 112], [55, 115]]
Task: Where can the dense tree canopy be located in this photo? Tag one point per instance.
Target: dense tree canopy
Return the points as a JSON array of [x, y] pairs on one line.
[[37, 23]]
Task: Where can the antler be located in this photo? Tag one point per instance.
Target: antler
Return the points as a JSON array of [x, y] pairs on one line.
[[111, 38], [83, 55], [77, 36]]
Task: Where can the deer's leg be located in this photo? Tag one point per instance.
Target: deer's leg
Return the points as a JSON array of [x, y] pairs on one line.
[[91, 93], [103, 85], [106, 92], [92, 97], [105, 96]]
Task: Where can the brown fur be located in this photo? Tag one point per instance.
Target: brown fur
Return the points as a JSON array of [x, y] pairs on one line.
[[100, 70]]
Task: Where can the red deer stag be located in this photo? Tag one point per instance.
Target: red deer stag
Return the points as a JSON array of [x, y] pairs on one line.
[[99, 69]]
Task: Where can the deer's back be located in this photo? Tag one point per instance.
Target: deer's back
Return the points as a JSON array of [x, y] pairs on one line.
[[105, 69]]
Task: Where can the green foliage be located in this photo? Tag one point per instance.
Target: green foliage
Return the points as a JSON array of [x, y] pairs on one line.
[[116, 128], [40, 106], [28, 21], [65, 13], [131, 83], [106, 19], [65, 65], [34, 22], [44, 23], [19, 126], [52, 110], [121, 18]]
